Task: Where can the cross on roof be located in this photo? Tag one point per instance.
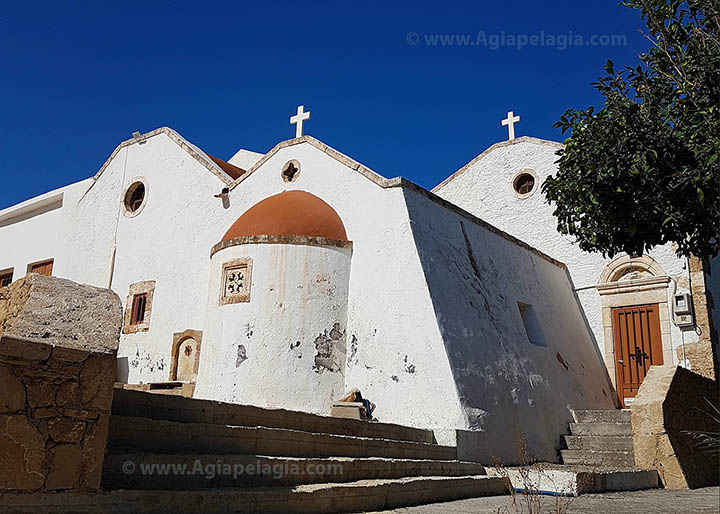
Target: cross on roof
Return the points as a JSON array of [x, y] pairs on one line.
[[510, 122], [298, 120]]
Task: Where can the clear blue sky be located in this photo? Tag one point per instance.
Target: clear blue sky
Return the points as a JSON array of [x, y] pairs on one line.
[[76, 80]]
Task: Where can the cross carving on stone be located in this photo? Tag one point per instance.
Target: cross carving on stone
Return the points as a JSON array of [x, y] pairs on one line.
[[510, 122], [298, 120]]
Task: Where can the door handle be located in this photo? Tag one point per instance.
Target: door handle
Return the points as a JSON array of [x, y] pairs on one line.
[[620, 361]]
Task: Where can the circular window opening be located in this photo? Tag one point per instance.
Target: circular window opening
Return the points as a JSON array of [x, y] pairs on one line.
[[134, 197], [524, 184], [291, 170]]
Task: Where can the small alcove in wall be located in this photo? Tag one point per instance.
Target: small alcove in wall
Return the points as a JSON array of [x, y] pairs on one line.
[[533, 330], [185, 357]]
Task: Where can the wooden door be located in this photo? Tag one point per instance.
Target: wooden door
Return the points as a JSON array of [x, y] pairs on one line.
[[638, 345], [44, 268]]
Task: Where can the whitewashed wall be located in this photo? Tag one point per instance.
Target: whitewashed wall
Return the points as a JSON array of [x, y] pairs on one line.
[[168, 242], [509, 388], [287, 345], [391, 324], [28, 241], [31, 231], [484, 189], [407, 349]]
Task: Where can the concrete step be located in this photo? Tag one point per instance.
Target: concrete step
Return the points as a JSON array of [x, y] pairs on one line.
[[565, 480], [618, 460], [360, 496], [187, 471], [600, 429], [601, 416], [608, 443], [189, 410], [171, 436]]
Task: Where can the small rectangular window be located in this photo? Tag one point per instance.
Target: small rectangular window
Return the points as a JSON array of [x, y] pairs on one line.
[[138, 309], [532, 325], [6, 278], [44, 268]]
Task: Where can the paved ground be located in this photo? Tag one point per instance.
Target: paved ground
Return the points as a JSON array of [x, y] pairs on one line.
[[658, 501]]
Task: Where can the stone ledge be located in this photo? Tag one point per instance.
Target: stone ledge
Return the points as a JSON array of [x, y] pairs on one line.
[[672, 405], [54, 312], [58, 342]]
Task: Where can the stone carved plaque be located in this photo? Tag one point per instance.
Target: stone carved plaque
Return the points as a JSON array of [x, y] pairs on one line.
[[236, 280]]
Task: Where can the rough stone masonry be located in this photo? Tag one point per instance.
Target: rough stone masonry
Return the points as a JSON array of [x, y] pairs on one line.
[[58, 344]]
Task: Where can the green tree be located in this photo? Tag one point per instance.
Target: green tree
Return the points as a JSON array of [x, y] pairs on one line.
[[643, 170]]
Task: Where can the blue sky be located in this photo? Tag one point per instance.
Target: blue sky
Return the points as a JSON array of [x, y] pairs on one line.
[[76, 79]]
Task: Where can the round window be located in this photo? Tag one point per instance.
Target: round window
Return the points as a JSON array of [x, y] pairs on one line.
[[524, 184], [134, 198]]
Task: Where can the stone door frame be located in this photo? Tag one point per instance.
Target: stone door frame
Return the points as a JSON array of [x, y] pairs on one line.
[[627, 293]]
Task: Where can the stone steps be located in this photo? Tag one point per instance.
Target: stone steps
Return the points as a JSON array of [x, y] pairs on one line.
[[608, 459], [359, 496], [600, 439], [177, 471], [573, 480], [187, 410], [240, 458], [599, 443], [161, 436], [601, 429], [601, 416]]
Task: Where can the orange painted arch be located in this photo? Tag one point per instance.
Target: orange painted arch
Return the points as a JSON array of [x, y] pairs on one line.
[[292, 213]]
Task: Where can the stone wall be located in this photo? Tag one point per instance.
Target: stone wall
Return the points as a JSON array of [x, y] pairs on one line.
[[702, 355], [58, 342], [671, 411]]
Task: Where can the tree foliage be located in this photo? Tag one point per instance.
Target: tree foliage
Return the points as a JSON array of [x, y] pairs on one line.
[[643, 170]]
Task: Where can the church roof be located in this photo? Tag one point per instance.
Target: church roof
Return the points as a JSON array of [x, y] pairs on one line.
[[521, 139], [233, 171], [292, 213]]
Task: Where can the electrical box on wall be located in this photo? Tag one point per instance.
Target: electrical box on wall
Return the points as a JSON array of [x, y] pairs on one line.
[[682, 309]]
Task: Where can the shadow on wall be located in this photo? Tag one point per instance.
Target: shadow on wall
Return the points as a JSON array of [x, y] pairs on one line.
[[123, 370], [519, 348]]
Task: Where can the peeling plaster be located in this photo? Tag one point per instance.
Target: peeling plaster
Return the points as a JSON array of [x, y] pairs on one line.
[[241, 355], [409, 367], [145, 363], [327, 345], [352, 357], [296, 335]]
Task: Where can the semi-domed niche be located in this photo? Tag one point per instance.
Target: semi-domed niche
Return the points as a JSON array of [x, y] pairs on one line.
[[277, 310]]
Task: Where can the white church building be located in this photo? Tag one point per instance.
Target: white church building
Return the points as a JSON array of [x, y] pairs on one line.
[[287, 278]]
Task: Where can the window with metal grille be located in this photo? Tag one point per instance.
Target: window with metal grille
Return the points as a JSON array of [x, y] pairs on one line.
[[138, 309], [6, 278]]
